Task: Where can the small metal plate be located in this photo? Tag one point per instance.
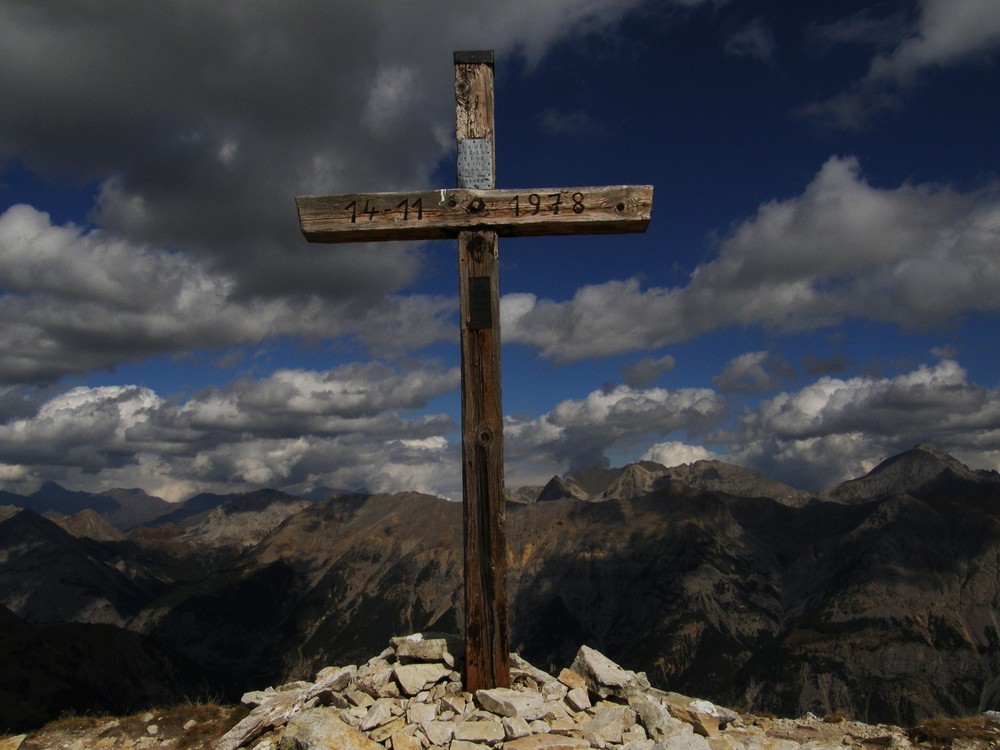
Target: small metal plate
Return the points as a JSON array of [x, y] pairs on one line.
[[480, 304], [475, 164]]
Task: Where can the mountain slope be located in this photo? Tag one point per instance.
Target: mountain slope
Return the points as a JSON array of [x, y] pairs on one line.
[[910, 472], [242, 521], [88, 524], [47, 575], [884, 609]]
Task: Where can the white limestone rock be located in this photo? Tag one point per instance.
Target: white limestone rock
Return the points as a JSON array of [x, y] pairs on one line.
[[608, 725], [515, 727], [578, 699], [547, 742], [320, 729], [506, 702], [656, 718], [425, 647], [439, 732], [489, 731], [413, 678], [421, 713], [604, 677]]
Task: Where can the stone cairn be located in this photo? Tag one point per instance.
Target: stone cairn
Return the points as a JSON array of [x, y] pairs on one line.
[[410, 697]]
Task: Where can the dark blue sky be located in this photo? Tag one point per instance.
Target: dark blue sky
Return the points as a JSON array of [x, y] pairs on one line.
[[818, 288]]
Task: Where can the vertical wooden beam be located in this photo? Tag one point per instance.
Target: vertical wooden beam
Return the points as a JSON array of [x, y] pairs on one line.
[[487, 639]]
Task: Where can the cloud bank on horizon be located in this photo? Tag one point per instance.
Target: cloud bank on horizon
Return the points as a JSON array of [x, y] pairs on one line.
[[834, 300]]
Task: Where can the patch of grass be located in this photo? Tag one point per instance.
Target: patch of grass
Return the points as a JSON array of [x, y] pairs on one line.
[[212, 721], [70, 722], [942, 732], [837, 717]]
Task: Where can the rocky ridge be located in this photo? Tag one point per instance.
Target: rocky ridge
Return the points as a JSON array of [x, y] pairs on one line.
[[637, 479], [882, 609]]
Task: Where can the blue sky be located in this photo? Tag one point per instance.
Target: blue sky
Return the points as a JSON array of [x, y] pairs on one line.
[[819, 287]]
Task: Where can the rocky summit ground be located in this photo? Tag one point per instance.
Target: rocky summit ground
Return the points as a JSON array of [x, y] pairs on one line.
[[410, 697]]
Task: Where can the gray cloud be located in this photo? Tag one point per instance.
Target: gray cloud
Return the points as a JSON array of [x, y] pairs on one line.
[[916, 256], [647, 370], [198, 124], [580, 433], [292, 427], [754, 40], [753, 372], [945, 33], [835, 429], [86, 300]]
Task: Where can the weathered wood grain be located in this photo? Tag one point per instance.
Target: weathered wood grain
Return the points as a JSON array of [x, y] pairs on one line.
[[487, 640], [442, 214]]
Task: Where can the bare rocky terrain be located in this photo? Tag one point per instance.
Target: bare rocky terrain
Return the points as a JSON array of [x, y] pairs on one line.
[[876, 600], [410, 697]]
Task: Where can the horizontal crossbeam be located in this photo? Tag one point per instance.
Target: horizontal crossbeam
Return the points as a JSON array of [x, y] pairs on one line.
[[442, 214]]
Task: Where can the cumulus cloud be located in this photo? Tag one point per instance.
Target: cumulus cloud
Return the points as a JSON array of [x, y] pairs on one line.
[[915, 255], [81, 300], [753, 372], [579, 433], [945, 33], [674, 453], [346, 427], [834, 429], [201, 122]]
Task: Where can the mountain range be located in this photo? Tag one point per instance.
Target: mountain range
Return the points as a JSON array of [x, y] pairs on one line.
[[877, 598]]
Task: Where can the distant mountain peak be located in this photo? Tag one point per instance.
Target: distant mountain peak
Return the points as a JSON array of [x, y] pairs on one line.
[[642, 478], [907, 472], [88, 524], [633, 481], [561, 488]]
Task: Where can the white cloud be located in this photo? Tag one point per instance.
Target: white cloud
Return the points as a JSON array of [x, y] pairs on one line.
[[84, 300], [915, 255], [674, 453], [89, 428], [835, 429], [200, 123], [344, 427], [356, 397], [945, 33], [580, 433]]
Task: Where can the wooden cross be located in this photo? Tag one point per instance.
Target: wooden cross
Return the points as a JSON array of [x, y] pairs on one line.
[[476, 213]]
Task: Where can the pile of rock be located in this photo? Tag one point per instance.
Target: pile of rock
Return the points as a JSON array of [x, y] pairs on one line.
[[410, 697]]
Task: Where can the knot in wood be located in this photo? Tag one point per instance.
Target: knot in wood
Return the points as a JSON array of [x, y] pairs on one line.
[[477, 247], [485, 436], [476, 205]]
